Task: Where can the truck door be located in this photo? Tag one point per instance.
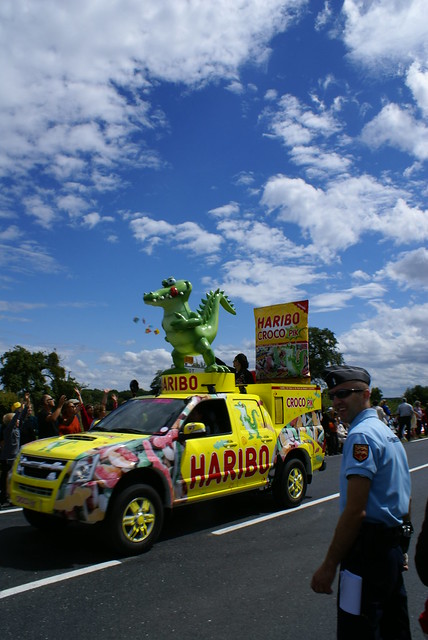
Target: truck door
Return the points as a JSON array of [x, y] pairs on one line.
[[210, 462], [257, 441]]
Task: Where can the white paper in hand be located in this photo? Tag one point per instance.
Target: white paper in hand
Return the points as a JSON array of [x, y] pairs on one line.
[[350, 592]]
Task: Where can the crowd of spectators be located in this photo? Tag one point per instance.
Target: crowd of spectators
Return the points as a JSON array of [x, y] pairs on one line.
[[408, 422], [22, 424]]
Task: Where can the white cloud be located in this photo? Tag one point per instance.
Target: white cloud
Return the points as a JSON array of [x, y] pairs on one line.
[[388, 345], [402, 223], [93, 219], [37, 207], [417, 81], [72, 103], [294, 123], [410, 269], [13, 232], [323, 16], [16, 306], [226, 210], [337, 217], [185, 236], [320, 162], [259, 282], [397, 127], [119, 369], [255, 238], [27, 258], [386, 31], [334, 300], [271, 94]]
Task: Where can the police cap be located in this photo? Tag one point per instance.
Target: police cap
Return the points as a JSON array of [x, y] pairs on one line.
[[339, 373]]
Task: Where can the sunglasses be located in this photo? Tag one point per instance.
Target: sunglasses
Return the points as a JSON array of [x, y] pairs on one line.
[[343, 393]]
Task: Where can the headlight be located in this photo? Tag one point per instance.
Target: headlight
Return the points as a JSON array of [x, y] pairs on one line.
[[83, 471]]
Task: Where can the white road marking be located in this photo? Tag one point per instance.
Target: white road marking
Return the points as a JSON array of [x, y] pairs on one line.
[[59, 578], [286, 512], [271, 516], [423, 466]]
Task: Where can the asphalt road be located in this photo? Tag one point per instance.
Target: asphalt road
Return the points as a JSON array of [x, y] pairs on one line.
[[205, 578]]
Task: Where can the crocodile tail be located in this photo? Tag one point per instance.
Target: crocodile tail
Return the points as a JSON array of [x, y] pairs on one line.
[[227, 304], [208, 308]]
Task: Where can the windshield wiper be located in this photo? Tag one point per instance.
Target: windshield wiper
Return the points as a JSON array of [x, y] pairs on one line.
[[125, 430]]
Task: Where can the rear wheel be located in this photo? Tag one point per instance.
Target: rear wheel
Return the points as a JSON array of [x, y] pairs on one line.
[[135, 520], [290, 488]]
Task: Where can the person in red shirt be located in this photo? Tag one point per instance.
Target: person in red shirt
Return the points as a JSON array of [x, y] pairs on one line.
[[68, 420]]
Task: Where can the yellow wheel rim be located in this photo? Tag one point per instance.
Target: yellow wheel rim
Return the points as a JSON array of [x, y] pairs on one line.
[[295, 483], [138, 520]]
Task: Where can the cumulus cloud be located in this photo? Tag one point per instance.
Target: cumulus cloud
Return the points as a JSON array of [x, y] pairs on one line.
[[389, 346], [185, 236], [77, 81], [417, 81], [225, 211], [259, 282], [308, 132], [120, 369], [335, 300], [386, 31], [336, 217], [410, 269], [395, 126], [296, 124]]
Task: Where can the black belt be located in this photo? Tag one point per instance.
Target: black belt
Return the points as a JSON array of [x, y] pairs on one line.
[[380, 532]]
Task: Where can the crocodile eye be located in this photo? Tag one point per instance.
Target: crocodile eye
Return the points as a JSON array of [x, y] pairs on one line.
[[173, 291]]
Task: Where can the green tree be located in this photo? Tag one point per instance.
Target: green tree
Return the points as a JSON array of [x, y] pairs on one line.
[[7, 399], [376, 395], [37, 372], [156, 383], [323, 351], [417, 393]]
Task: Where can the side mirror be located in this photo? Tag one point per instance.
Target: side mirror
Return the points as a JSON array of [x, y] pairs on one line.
[[193, 429]]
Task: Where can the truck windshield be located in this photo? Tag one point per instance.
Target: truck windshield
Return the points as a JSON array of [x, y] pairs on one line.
[[145, 416]]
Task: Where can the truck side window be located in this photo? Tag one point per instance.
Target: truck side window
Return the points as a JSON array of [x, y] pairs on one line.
[[279, 411], [214, 415]]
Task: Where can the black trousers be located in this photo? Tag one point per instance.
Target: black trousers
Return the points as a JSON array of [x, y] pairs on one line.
[[377, 557], [5, 467], [404, 426]]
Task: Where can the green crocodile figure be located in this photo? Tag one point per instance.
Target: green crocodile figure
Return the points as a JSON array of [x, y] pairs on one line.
[[189, 332]]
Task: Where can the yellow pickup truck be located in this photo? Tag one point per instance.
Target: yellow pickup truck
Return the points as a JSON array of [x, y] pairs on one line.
[[200, 438]]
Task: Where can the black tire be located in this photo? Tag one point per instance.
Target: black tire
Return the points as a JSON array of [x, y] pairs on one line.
[[135, 519], [290, 488], [44, 521]]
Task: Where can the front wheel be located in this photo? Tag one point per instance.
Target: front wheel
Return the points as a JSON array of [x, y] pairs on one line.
[[290, 489], [135, 520]]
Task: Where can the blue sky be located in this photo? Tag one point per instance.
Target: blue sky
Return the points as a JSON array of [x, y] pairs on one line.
[[275, 149]]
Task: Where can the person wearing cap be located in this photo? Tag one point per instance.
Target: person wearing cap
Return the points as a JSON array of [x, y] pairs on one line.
[[369, 539], [12, 423], [48, 416], [68, 421]]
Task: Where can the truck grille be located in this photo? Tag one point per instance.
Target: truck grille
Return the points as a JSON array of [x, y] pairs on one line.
[[40, 468], [38, 491]]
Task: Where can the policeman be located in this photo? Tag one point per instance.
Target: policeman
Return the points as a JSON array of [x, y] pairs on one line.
[[374, 503]]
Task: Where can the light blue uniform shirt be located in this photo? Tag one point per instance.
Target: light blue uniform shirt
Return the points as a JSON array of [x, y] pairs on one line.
[[372, 450]]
